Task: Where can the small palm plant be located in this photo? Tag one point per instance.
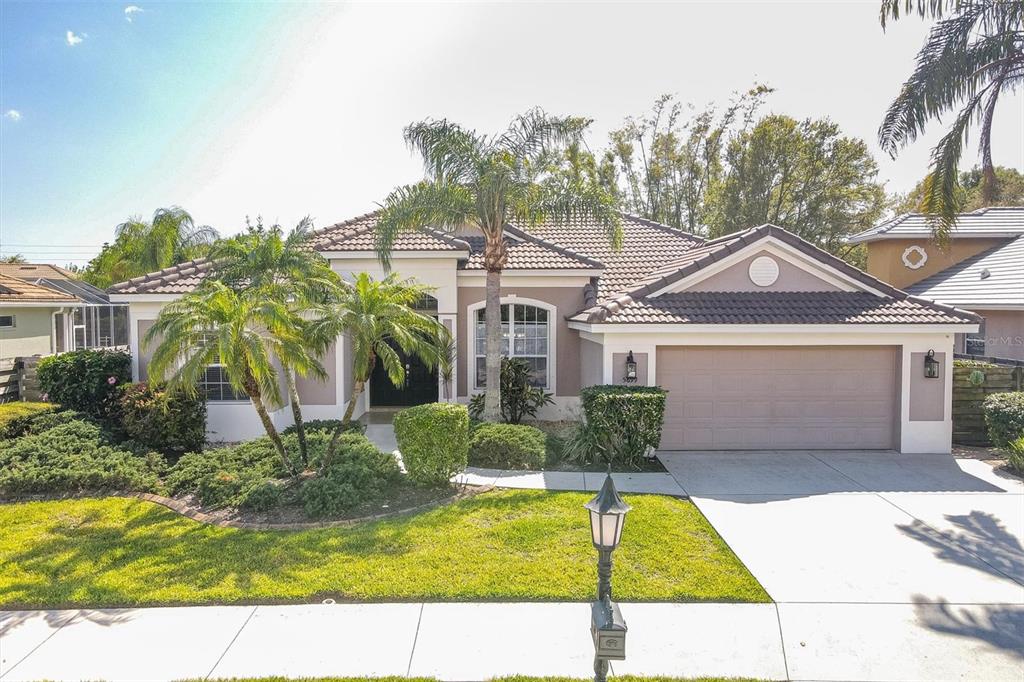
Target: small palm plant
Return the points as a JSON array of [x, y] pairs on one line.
[[483, 182], [241, 331], [378, 319], [283, 269]]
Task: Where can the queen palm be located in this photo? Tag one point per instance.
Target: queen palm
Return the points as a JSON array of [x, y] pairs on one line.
[[284, 269], [484, 182], [241, 331], [973, 54], [377, 316]]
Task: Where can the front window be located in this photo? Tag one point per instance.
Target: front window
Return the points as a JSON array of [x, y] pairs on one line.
[[7, 322], [214, 385], [527, 328]]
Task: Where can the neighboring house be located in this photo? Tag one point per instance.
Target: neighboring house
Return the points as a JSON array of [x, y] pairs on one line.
[[45, 310], [763, 340], [981, 269]]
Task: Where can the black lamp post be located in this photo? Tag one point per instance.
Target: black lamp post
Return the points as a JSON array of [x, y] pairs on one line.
[[607, 517]]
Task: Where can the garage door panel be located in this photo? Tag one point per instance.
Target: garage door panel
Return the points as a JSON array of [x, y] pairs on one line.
[[750, 398]]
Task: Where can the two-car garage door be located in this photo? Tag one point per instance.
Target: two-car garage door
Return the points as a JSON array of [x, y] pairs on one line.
[[741, 398]]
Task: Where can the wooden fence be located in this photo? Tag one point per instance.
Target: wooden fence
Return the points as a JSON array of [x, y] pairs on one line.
[[970, 391], [19, 379]]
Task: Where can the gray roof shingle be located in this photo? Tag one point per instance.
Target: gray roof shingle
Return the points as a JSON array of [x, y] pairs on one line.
[[967, 284], [994, 221]]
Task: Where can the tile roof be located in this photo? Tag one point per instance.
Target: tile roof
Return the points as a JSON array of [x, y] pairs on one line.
[[782, 307], [177, 279], [356, 234], [639, 304], [528, 252], [966, 284], [646, 245], [34, 271], [994, 221], [14, 290]]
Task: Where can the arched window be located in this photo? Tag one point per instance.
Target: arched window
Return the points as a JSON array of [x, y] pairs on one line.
[[524, 334]]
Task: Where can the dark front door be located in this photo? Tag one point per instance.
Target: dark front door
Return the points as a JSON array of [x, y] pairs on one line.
[[420, 385]]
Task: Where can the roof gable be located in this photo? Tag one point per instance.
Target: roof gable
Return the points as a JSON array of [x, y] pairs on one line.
[[991, 278], [14, 290]]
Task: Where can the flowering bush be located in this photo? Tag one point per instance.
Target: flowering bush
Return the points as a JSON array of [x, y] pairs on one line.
[[85, 380]]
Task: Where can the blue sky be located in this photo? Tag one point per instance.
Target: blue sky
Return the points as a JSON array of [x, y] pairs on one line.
[[289, 109]]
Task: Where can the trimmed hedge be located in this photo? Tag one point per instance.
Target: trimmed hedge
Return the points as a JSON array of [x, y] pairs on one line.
[[434, 441], [85, 380], [624, 420], [15, 417], [1004, 416], [169, 422], [507, 446]]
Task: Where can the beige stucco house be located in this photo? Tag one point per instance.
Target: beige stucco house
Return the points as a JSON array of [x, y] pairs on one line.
[[981, 269], [762, 340]]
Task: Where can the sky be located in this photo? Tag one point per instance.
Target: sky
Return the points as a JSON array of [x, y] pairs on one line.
[[111, 110]]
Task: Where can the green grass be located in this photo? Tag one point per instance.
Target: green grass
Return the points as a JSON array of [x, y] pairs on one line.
[[508, 545]]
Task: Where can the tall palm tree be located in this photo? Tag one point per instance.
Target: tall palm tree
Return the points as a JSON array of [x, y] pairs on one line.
[[377, 316], [973, 54], [484, 182], [142, 246], [285, 270], [243, 332]]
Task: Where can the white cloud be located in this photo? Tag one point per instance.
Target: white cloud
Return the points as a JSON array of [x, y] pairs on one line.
[[75, 38], [13, 114], [130, 11]]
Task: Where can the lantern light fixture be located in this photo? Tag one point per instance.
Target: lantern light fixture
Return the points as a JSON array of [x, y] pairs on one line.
[[630, 368], [931, 366]]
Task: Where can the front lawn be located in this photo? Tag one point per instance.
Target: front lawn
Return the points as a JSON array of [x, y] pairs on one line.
[[508, 545]]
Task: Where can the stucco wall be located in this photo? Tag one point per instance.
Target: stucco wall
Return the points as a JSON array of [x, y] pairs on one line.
[[885, 257], [927, 396], [145, 353], [31, 334], [316, 391], [567, 300], [619, 369], [737, 278], [591, 367], [1004, 333]]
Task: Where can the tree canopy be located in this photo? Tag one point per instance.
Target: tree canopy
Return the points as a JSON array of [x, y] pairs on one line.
[[1009, 191]]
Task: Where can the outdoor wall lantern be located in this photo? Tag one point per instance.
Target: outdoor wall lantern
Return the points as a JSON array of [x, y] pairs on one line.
[[630, 368], [607, 627], [931, 366]]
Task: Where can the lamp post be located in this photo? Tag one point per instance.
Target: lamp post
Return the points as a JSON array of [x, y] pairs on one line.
[[607, 627]]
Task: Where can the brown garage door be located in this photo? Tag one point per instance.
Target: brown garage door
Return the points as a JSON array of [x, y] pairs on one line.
[[739, 398]]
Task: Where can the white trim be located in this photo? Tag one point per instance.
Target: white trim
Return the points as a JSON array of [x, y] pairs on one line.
[[139, 298], [781, 250], [577, 272], [470, 323], [395, 255], [604, 328]]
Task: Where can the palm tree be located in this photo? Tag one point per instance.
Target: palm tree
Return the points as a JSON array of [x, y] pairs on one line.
[[243, 332], [377, 316], [283, 269], [973, 54], [484, 182], [171, 237]]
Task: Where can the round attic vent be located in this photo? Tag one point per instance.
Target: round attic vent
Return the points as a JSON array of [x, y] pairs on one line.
[[764, 271]]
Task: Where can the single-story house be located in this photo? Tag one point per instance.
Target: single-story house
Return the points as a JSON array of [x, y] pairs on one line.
[[762, 340], [45, 309], [981, 269]]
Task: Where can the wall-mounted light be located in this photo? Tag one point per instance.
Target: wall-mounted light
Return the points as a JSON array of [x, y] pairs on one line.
[[931, 366], [630, 368]]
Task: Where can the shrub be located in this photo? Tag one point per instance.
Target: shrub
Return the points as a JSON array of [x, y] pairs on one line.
[[1015, 454], [170, 422], [507, 446], [85, 380], [434, 441], [218, 476], [624, 421], [15, 416], [359, 473], [1004, 416], [328, 425], [72, 457], [518, 398]]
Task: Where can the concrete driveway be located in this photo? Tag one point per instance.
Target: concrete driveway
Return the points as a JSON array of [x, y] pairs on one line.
[[884, 566]]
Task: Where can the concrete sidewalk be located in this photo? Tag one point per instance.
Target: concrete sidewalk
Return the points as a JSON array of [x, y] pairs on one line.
[[479, 641]]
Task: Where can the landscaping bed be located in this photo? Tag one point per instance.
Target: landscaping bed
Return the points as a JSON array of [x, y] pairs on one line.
[[515, 545]]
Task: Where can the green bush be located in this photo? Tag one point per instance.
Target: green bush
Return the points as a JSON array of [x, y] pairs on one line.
[[219, 476], [518, 398], [1004, 416], [507, 446], [169, 422], [434, 441], [72, 457], [624, 421], [1015, 454], [328, 425], [85, 380], [14, 417]]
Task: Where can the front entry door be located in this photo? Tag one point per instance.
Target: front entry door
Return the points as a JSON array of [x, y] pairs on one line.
[[420, 385]]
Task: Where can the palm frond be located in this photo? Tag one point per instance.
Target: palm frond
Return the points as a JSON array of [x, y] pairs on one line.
[[440, 205], [450, 152]]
